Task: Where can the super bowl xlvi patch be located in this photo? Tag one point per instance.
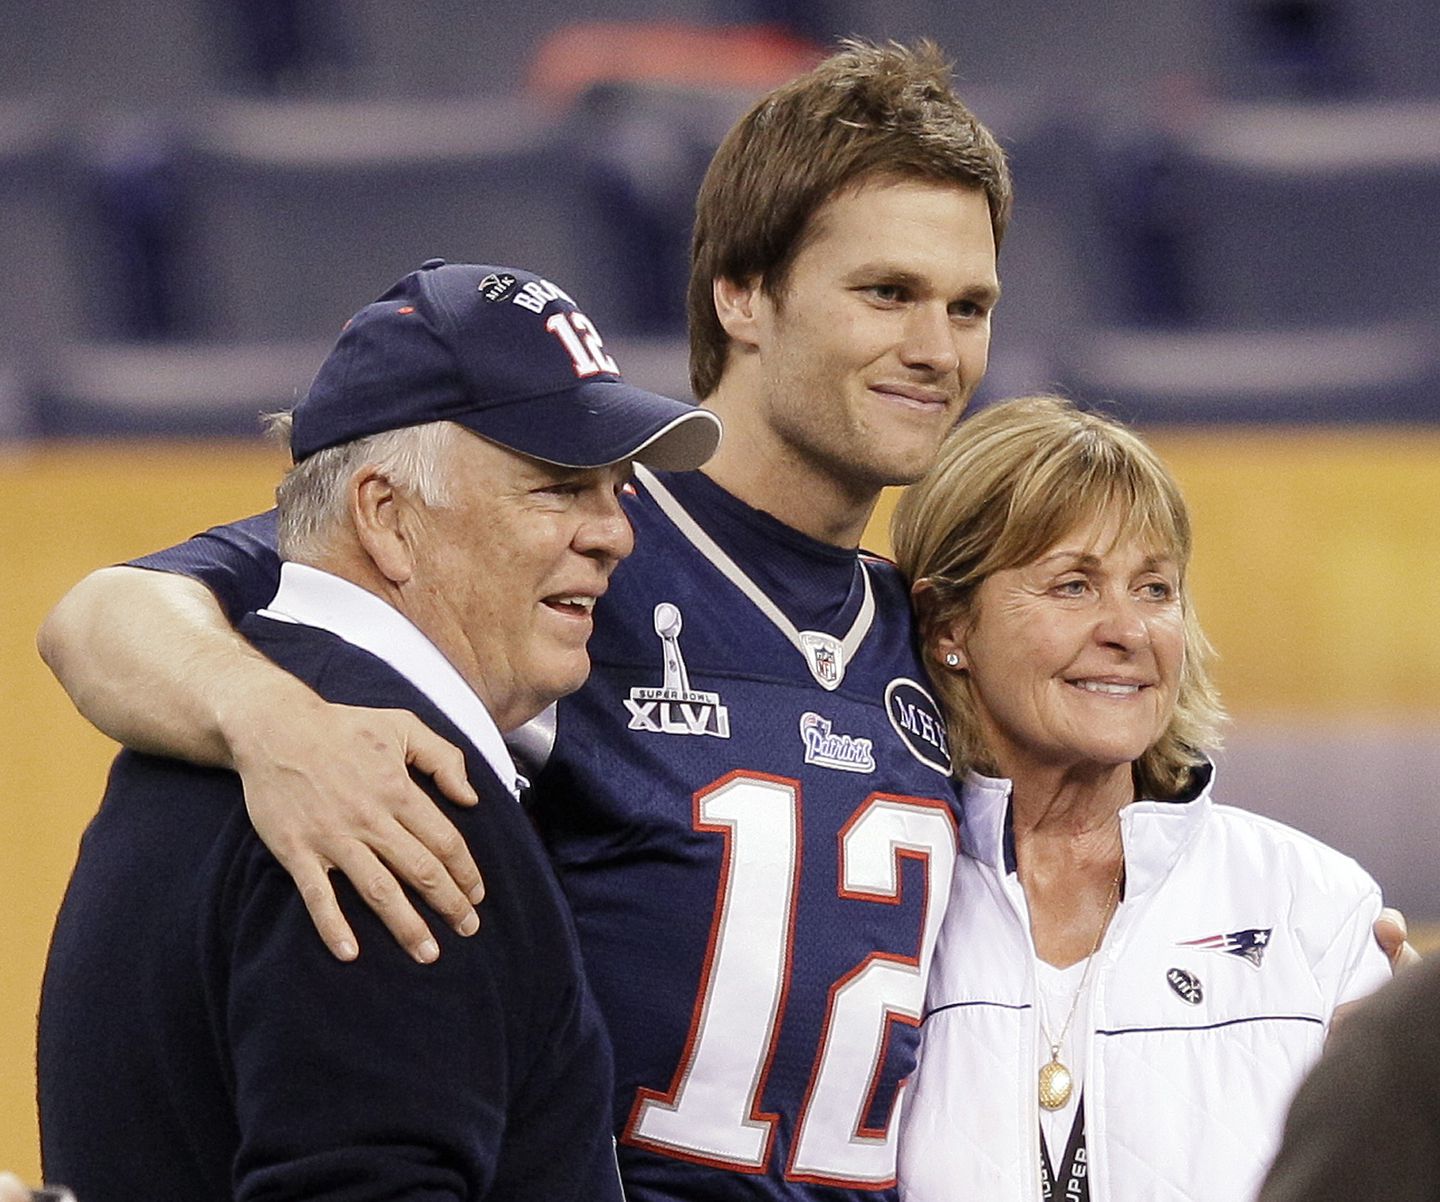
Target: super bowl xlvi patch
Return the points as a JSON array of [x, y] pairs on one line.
[[916, 719], [1249, 944], [675, 708], [496, 286], [1186, 986], [829, 750]]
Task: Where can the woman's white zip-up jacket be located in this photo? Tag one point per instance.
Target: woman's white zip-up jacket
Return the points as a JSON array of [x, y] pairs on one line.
[[1194, 1051]]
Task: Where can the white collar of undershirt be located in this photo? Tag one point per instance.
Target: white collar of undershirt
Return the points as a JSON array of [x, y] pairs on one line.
[[310, 597]]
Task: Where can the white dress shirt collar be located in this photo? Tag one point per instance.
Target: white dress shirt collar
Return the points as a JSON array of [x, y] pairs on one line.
[[311, 597]]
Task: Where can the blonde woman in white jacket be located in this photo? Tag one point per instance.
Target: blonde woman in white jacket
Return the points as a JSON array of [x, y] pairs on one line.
[[1131, 980]]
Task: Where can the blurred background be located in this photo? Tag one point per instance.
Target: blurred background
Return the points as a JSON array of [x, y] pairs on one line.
[[1226, 232]]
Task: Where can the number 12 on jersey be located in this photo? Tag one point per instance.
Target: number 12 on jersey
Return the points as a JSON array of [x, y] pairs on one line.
[[712, 1113]]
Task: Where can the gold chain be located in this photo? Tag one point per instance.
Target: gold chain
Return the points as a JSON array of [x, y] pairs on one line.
[[1111, 902]]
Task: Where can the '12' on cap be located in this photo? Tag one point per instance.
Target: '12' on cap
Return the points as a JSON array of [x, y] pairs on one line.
[[504, 353]]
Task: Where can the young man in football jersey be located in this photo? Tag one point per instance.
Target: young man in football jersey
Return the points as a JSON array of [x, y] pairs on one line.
[[748, 804]]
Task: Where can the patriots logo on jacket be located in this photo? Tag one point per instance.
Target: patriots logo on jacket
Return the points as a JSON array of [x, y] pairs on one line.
[[1249, 944]]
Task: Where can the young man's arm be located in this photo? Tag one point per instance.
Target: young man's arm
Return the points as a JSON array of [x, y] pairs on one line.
[[151, 659]]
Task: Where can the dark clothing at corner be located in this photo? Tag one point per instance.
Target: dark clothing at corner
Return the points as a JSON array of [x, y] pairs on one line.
[[1365, 1126], [198, 1041]]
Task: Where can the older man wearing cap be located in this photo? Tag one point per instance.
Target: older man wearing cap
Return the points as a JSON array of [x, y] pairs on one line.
[[451, 517]]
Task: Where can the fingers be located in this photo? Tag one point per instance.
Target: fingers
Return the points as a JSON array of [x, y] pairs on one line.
[[439, 760], [444, 763], [1341, 1014], [1396, 919], [440, 865], [12, 1189], [379, 890], [335, 793], [371, 864], [319, 897], [1392, 933]]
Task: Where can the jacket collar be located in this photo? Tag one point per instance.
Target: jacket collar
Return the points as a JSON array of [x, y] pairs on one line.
[[308, 596], [1153, 832]]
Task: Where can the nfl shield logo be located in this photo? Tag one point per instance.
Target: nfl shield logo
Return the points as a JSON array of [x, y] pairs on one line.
[[827, 661]]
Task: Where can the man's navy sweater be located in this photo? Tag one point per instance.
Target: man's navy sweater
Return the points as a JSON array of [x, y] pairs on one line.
[[197, 1040]]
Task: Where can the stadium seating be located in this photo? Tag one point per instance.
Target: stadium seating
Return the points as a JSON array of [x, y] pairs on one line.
[[188, 390], [1321, 50], [1386, 372], [38, 301], [1290, 214], [17, 407], [310, 151], [300, 212]]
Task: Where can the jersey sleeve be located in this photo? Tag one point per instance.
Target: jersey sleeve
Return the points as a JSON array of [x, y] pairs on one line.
[[237, 562]]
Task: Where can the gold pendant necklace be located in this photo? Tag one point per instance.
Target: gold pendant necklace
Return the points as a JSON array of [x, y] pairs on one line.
[[1056, 1081]]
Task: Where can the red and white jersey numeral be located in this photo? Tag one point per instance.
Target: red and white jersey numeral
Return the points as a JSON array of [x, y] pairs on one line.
[[711, 1112], [832, 1145]]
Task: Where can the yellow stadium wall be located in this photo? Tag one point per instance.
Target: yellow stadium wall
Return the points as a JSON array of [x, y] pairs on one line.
[[1315, 576]]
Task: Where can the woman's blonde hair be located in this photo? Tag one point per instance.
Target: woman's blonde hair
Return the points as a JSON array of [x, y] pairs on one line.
[[1010, 483]]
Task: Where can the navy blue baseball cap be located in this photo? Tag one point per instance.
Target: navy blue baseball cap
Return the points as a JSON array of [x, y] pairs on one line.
[[504, 353]]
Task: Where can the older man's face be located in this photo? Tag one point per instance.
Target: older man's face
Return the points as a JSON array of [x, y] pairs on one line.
[[511, 571]]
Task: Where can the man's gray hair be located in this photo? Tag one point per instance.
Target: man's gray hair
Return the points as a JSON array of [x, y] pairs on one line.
[[312, 498]]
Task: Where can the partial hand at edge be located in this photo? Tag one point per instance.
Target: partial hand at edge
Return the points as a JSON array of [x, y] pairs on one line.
[[1392, 933], [328, 787], [12, 1189]]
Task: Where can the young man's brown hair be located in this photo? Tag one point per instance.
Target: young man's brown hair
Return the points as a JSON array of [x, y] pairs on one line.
[[867, 111]]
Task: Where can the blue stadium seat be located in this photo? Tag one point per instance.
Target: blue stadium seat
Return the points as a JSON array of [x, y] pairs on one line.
[[1383, 372], [1327, 49], [190, 390], [1400, 47], [1098, 54], [1043, 259], [460, 48], [214, 389], [641, 151], [39, 300], [152, 57], [1258, 216], [1296, 214], [17, 407], [300, 212], [27, 59]]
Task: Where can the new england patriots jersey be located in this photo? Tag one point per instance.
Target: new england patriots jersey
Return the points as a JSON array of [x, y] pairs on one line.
[[749, 808]]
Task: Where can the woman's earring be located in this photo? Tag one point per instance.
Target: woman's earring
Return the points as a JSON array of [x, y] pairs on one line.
[[952, 660]]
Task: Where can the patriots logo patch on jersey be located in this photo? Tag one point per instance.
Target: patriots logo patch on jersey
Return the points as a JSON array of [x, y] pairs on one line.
[[845, 752], [1249, 944], [675, 708]]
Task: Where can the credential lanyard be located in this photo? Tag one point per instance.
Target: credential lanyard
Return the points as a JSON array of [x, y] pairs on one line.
[[1073, 1182]]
